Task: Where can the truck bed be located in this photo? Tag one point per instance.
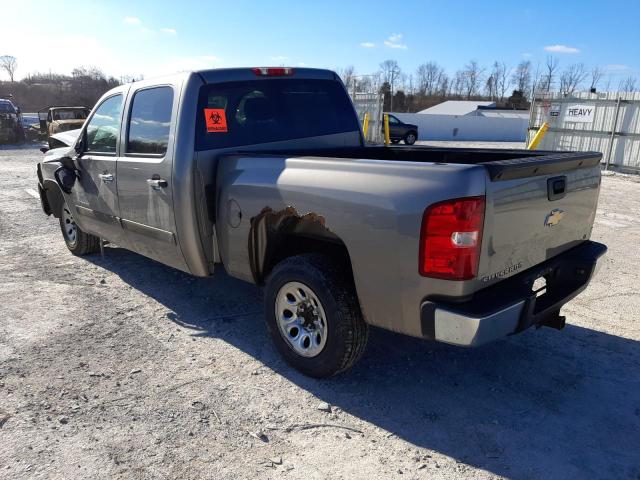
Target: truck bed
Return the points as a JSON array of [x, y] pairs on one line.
[[523, 205], [501, 164]]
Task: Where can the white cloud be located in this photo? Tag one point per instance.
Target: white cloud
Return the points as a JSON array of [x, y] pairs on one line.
[[561, 49], [395, 45], [169, 31], [302, 64], [393, 41], [527, 55], [367, 44], [279, 58], [616, 67], [132, 20]]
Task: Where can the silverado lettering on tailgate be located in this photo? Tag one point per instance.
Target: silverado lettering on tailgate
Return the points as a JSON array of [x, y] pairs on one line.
[[503, 273]]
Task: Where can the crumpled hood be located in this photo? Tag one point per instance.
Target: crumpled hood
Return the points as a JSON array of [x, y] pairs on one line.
[[69, 137], [56, 154]]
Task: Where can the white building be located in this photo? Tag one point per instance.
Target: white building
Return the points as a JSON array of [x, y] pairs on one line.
[[456, 107], [469, 120]]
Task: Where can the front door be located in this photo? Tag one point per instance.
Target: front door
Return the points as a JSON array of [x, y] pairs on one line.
[[145, 176], [95, 195]]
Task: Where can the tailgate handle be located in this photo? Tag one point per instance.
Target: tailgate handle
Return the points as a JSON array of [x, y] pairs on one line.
[[556, 187]]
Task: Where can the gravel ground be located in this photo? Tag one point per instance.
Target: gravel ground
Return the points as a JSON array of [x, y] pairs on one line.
[[119, 367]]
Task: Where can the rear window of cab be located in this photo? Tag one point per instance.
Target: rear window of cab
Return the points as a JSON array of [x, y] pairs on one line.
[[252, 112]]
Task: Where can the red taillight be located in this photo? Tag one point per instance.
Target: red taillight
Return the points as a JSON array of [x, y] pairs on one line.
[[273, 71], [450, 239]]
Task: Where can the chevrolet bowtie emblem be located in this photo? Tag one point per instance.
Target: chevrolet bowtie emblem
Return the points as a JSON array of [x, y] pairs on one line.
[[554, 217]]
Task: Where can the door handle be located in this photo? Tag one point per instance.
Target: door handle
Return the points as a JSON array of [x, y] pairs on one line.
[[106, 177], [157, 183]]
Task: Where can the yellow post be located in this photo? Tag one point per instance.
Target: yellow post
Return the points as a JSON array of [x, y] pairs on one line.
[[365, 124], [387, 140], [538, 137]]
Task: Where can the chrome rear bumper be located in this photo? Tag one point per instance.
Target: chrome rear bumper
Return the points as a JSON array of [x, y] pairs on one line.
[[512, 306]]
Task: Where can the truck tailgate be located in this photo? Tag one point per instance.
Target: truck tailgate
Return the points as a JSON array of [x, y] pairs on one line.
[[535, 210]]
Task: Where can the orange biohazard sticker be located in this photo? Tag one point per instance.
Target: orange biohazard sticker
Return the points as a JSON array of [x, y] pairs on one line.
[[216, 120]]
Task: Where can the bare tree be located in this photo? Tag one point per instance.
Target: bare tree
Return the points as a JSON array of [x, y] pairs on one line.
[[348, 75], [443, 88], [90, 72], [473, 78], [596, 75], [458, 83], [490, 87], [9, 64], [429, 75], [501, 75], [551, 67], [390, 74], [521, 78], [628, 84], [571, 78]]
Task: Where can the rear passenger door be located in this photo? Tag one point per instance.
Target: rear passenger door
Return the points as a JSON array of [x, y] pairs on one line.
[[145, 189]]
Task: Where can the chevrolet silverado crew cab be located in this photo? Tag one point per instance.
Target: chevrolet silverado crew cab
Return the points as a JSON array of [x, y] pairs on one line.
[[264, 173]]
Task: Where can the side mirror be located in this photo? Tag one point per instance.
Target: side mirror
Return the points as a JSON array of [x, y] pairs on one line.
[[66, 177], [18, 110]]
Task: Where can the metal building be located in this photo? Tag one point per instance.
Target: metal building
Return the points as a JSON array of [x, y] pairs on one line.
[[602, 122]]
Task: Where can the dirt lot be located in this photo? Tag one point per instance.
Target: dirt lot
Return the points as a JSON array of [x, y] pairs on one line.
[[119, 367]]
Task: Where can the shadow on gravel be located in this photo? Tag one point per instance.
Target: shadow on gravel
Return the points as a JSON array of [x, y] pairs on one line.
[[544, 404]]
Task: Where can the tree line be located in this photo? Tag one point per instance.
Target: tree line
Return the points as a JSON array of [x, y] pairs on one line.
[[83, 87], [509, 87]]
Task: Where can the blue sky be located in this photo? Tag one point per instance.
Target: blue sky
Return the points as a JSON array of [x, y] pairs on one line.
[[156, 37]]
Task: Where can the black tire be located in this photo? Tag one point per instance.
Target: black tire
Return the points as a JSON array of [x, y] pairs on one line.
[[347, 332], [81, 243], [410, 138]]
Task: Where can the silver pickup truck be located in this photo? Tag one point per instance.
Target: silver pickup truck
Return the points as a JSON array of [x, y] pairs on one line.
[[264, 173]]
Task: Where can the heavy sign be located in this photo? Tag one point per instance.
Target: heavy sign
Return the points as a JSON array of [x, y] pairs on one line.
[[579, 113]]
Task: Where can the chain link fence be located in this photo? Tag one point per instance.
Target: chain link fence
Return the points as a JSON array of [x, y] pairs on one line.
[[604, 122], [370, 103]]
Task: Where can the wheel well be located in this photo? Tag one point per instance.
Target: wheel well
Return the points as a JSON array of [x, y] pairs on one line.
[[276, 235], [291, 245], [55, 198]]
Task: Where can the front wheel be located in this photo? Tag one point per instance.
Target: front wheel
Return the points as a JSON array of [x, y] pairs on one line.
[[313, 315], [77, 241], [410, 138]]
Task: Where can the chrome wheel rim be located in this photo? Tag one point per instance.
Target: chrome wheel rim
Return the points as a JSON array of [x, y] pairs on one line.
[[301, 319], [69, 227]]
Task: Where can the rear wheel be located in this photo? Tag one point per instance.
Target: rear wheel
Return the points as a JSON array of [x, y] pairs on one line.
[[313, 315], [77, 241], [410, 138]]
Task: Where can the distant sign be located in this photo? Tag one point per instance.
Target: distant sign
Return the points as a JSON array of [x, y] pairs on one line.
[[579, 113], [554, 110]]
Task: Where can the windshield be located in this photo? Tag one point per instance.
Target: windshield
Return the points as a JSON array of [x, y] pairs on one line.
[[69, 114], [253, 112]]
